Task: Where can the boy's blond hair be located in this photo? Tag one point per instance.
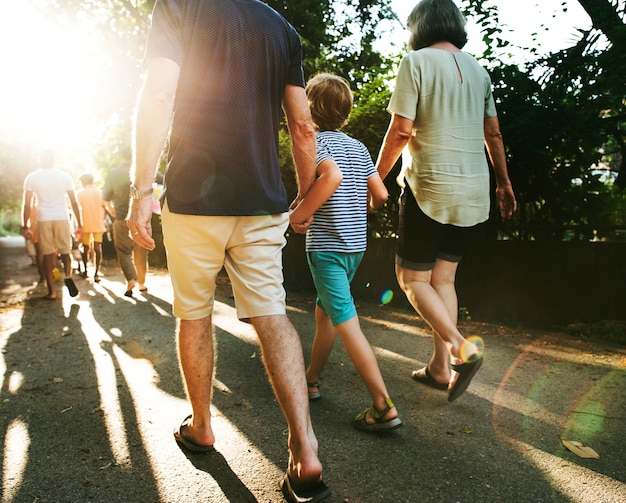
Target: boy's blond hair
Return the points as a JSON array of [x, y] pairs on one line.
[[330, 101]]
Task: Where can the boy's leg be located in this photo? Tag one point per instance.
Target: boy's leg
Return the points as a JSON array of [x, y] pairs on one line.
[[322, 346], [364, 360]]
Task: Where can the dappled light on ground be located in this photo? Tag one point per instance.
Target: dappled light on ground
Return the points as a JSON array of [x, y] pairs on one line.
[[91, 393], [578, 413], [15, 449]]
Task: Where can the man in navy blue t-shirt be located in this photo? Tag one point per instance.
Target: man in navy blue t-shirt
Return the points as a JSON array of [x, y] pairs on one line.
[[220, 73]]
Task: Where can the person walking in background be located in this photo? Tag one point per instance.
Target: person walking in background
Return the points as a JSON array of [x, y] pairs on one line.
[[443, 108], [92, 213], [336, 242], [53, 189], [133, 259], [224, 202]]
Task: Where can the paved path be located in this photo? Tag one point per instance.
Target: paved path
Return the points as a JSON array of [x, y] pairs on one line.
[[90, 392]]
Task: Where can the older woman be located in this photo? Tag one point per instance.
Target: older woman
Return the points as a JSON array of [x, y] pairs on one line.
[[442, 107]]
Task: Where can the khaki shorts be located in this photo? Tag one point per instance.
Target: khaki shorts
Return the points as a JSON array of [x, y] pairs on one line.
[[54, 237], [249, 248]]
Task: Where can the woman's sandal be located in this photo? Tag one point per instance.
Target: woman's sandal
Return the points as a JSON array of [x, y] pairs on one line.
[[314, 395], [360, 421]]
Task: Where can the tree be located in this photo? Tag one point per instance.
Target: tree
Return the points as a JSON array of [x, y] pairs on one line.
[[337, 37], [562, 119]]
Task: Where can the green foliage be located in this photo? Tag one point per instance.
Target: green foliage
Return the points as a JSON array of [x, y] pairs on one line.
[[287, 168], [368, 123], [16, 162], [115, 136], [487, 17], [562, 116], [119, 26], [10, 221]]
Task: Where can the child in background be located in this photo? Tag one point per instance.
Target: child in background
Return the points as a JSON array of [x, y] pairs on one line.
[[336, 241], [92, 211]]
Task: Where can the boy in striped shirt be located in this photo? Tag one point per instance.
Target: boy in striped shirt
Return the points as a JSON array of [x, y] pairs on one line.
[[336, 240]]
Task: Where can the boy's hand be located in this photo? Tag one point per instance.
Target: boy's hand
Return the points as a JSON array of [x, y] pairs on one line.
[[301, 227]]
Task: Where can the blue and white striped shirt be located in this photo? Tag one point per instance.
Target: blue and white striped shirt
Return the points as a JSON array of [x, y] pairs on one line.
[[340, 224]]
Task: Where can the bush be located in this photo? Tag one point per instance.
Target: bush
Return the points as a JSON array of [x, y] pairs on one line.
[[9, 222]]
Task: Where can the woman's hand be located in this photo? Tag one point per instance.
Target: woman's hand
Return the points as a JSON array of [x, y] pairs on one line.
[[506, 201]]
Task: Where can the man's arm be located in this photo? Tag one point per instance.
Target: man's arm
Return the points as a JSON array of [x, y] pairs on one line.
[[397, 136], [302, 132], [152, 125], [27, 201], [72, 196], [109, 208]]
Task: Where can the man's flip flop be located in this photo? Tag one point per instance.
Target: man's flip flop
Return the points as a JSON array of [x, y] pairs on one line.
[[304, 493], [466, 372], [71, 287], [187, 443], [428, 380]]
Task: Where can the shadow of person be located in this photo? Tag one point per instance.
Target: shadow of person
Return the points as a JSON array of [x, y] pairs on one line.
[[214, 464], [143, 330], [57, 446], [143, 327]]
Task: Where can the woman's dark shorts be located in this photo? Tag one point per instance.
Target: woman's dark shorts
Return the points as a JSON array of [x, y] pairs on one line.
[[423, 240]]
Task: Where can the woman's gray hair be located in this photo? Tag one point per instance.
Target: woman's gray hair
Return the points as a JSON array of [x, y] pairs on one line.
[[433, 21]]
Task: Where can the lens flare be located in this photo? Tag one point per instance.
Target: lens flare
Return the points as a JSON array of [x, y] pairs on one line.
[[386, 297], [477, 340]]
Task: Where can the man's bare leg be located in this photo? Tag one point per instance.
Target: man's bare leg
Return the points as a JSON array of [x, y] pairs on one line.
[[98, 262], [66, 260], [196, 356], [284, 362], [140, 257], [49, 262]]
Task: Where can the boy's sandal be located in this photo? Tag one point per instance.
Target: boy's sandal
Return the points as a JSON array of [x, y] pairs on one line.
[[314, 395], [360, 421]]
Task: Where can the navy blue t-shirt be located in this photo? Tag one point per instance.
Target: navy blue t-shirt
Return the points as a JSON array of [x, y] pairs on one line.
[[236, 57]]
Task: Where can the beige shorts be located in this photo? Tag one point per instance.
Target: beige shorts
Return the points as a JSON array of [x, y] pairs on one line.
[[54, 237], [249, 248]]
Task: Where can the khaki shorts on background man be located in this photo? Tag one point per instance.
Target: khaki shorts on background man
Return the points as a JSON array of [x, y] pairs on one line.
[[54, 237]]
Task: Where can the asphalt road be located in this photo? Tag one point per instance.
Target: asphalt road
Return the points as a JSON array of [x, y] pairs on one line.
[[91, 392]]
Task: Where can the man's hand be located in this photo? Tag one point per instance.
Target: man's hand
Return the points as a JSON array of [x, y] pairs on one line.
[[139, 222], [27, 233]]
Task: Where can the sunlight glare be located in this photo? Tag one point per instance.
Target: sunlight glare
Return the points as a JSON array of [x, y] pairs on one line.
[[16, 379], [15, 459], [100, 345], [225, 317], [47, 92]]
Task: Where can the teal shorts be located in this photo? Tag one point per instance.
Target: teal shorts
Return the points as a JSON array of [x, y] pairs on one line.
[[332, 274]]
